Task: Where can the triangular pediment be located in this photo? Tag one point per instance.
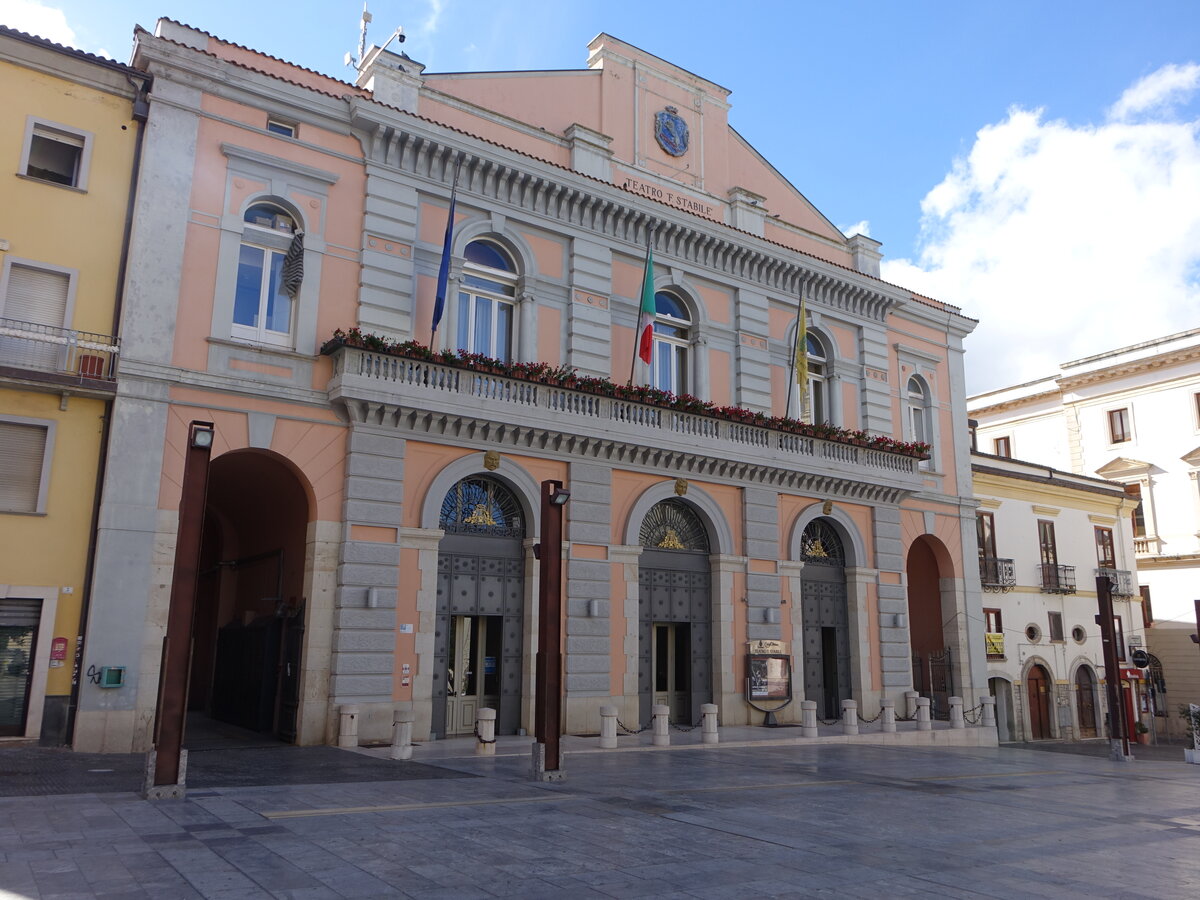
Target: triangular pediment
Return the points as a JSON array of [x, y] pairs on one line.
[[1192, 458], [1123, 467]]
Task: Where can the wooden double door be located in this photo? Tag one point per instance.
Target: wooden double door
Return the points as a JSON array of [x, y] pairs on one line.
[[1039, 686]]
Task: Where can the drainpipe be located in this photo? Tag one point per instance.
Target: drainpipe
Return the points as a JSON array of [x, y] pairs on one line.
[[140, 113]]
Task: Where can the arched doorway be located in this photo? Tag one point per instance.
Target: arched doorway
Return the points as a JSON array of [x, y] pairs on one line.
[[826, 619], [932, 673], [674, 613], [1085, 701], [1038, 687], [480, 607], [249, 622], [1002, 691]]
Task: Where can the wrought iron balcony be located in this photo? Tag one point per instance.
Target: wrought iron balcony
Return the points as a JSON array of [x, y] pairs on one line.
[[1057, 579], [58, 351], [1122, 581], [430, 396], [996, 574]]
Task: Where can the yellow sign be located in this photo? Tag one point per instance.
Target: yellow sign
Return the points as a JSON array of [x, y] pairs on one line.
[[994, 644]]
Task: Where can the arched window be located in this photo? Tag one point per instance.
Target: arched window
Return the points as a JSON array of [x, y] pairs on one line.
[[481, 506], [673, 525], [262, 309], [818, 384], [672, 338], [486, 302], [919, 424], [821, 545]]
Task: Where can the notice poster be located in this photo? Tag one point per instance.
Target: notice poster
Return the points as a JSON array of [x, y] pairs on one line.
[[770, 677]]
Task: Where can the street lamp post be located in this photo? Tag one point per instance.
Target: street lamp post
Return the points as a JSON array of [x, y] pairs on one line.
[[547, 714], [165, 760]]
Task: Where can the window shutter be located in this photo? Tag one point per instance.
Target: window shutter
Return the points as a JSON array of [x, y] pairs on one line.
[[37, 295], [22, 450], [21, 613]]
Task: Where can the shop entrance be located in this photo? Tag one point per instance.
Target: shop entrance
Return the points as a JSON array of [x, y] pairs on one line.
[[19, 621]]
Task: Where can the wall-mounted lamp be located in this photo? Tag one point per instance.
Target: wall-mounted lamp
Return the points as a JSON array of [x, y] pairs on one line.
[[560, 496], [201, 436]]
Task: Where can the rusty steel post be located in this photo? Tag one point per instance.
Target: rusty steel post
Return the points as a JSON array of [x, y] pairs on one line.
[[1119, 740], [177, 645], [548, 694]]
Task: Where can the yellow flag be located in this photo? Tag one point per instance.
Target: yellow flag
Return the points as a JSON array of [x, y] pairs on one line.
[[802, 360]]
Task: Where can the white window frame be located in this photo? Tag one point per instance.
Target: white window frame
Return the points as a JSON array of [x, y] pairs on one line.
[[475, 294], [47, 458], [1127, 408], [271, 242], [72, 276], [34, 124], [824, 380], [677, 347], [276, 126], [918, 416]]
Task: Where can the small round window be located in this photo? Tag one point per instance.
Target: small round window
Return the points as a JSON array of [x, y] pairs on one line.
[[1033, 633], [1078, 634]]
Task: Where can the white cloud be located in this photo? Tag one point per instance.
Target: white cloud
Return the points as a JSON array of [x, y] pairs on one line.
[[1064, 240], [863, 228], [35, 17], [1159, 90]]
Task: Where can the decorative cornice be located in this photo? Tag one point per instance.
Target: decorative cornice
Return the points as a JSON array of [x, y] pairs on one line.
[[466, 429], [571, 198]]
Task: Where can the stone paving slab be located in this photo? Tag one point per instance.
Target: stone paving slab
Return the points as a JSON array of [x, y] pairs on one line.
[[31, 771], [750, 821]]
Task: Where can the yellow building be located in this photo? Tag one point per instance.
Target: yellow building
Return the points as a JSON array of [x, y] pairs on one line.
[[69, 136]]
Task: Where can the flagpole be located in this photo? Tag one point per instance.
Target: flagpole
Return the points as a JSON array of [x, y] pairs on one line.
[[439, 300], [646, 273], [792, 368]]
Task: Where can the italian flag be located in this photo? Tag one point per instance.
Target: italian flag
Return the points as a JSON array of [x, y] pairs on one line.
[[645, 347]]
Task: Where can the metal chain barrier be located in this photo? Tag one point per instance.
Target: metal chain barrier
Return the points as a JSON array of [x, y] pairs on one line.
[[627, 730], [829, 721], [481, 739], [874, 718], [684, 728], [974, 715]]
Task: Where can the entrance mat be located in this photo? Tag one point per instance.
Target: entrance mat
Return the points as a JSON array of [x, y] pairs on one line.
[[42, 771]]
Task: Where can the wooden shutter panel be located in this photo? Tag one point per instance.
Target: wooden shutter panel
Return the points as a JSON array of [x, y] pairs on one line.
[[22, 450], [37, 295]]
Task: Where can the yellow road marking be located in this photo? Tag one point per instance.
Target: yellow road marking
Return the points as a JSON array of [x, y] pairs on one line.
[[350, 810]]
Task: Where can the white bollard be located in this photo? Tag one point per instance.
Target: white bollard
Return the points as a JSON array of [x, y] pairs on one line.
[[485, 732], [910, 704], [708, 724], [989, 711], [849, 717], [808, 718], [402, 726], [923, 723], [956, 713], [662, 737], [608, 728], [887, 715], [348, 732]]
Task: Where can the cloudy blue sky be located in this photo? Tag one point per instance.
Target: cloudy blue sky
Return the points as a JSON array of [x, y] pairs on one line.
[[1035, 163]]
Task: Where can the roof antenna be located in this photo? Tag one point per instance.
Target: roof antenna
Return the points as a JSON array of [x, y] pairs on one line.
[[351, 60]]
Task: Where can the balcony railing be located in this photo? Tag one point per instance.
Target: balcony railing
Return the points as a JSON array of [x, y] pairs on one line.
[[374, 378], [1057, 579], [1146, 546], [997, 574], [1121, 579], [61, 351]]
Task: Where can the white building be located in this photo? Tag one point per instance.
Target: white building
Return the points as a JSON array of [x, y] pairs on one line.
[[1130, 415], [1044, 536]]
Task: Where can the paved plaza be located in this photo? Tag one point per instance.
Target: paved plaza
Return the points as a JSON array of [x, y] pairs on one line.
[[755, 820]]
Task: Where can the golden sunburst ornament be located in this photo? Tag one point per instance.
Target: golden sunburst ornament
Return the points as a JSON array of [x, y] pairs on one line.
[[480, 515], [671, 541]]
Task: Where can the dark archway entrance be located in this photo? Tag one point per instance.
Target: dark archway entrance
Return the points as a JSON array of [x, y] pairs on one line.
[[249, 625], [1085, 702], [480, 607], [674, 613], [932, 672], [826, 619], [1038, 686]]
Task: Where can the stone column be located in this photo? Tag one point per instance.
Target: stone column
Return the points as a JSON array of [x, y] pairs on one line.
[[662, 734]]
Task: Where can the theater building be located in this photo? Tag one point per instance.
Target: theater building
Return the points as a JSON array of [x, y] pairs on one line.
[[372, 509]]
